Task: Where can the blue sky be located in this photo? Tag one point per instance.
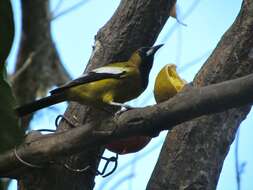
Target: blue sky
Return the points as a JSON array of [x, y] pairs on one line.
[[187, 47]]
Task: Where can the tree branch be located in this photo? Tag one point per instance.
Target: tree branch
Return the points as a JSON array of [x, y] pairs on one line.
[[135, 23], [144, 121], [193, 152]]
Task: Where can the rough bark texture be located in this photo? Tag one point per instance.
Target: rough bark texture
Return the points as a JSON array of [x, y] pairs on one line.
[[193, 153], [38, 65], [148, 121], [135, 23]]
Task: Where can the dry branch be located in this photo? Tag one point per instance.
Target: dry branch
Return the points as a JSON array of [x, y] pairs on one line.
[[144, 121]]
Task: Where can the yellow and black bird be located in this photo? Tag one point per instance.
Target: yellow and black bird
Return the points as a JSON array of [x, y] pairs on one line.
[[112, 84]]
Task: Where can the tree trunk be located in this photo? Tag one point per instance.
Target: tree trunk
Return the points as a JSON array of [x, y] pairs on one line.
[[135, 23], [193, 153], [38, 65]]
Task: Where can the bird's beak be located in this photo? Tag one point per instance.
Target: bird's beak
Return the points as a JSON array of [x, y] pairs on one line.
[[153, 50]]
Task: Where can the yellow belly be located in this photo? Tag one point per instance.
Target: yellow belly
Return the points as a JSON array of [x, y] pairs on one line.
[[104, 91]]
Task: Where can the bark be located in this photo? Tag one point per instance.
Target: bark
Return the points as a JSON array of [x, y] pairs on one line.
[[135, 23], [193, 153], [45, 150], [38, 66]]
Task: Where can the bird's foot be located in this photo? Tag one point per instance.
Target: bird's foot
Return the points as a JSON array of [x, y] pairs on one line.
[[124, 107]]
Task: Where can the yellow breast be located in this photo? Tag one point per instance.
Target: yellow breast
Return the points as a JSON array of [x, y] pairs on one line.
[[104, 91]]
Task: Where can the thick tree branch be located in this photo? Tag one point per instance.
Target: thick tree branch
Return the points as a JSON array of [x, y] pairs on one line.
[[135, 23], [193, 153], [145, 121]]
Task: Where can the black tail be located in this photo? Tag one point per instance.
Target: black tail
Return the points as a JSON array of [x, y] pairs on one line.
[[39, 104]]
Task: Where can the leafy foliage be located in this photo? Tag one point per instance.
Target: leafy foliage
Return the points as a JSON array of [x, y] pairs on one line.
[[6, 30], [4, 183], [10, 132]]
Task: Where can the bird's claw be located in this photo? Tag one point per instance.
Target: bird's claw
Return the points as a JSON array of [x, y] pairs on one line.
[[124, 109]]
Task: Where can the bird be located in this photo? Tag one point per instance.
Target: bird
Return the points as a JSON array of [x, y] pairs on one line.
[[167, 84], [113, 84]]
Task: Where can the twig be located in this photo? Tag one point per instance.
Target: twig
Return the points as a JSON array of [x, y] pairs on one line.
[[122, 180], [193, 62], [188, 12], [237, 165], [28, 62], [57, 7], [24, 67], [70, 9]]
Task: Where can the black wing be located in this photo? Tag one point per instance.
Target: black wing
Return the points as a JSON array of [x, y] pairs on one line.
[[86, 78]]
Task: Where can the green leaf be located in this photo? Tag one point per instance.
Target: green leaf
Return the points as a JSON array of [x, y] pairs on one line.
[[10, 132], [4, 183], [6, 30]]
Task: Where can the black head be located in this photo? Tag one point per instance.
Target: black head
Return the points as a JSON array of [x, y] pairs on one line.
[[148, 52], [147, 57]]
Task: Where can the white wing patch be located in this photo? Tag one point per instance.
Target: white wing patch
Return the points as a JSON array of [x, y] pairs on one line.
[[110, 70]]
